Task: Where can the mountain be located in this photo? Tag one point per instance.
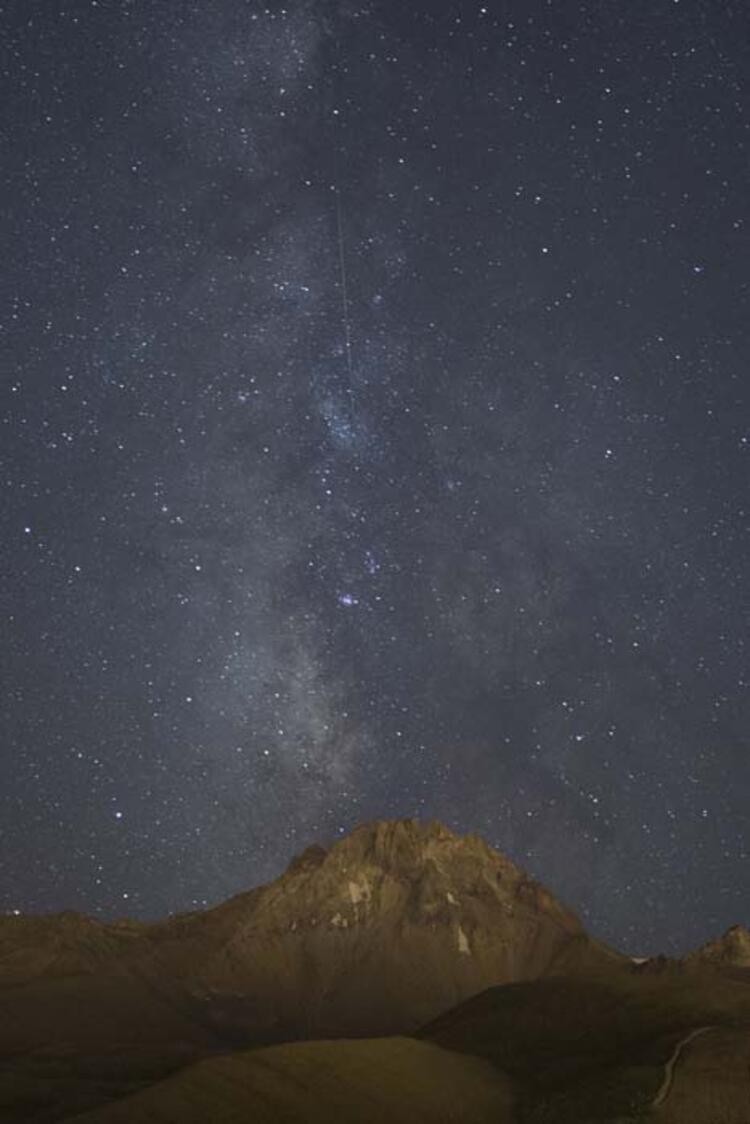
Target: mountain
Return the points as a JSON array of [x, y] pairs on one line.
[[375, 935], [512, 1012]]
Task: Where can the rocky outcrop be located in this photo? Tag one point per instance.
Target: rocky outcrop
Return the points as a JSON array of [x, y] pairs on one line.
[[732, 950]]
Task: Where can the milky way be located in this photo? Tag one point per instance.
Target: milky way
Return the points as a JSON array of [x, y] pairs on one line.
[[487, 563]]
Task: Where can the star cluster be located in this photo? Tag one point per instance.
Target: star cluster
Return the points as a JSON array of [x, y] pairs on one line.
[[374, 443]]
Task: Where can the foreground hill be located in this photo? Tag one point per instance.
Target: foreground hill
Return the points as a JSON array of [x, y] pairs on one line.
[[614, 1045], [618, 1046], [370, 1081]]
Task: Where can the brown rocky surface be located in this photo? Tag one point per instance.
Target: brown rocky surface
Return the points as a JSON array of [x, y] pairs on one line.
[[732, 950]]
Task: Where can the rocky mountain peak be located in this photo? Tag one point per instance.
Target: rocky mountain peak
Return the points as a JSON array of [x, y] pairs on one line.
[[732, 949], [423, 868], [395, 845], [403, 847], [393, 921]]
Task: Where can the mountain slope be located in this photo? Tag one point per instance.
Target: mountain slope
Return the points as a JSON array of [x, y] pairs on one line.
[[598, 1046], [367, 1081]]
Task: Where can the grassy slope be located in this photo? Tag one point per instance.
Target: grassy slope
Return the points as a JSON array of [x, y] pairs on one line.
[[712, 1081], [576, 1049], [369, 1081], [45, 1086], [591, 1048]]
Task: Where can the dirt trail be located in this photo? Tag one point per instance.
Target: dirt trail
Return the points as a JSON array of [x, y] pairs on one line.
[[669, 1067]]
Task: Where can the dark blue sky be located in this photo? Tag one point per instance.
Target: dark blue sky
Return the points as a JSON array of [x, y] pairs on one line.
[[488, 567]]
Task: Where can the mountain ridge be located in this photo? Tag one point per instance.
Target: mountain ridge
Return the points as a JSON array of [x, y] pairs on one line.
[[378, 933], [398, 846]]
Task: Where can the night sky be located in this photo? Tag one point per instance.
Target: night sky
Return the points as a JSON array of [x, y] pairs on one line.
[[375, 443]]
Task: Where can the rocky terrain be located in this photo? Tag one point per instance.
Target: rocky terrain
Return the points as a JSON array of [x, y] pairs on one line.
[[732, 950], [512, 1011]]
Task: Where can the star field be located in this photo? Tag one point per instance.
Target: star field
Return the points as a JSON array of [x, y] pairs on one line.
[[374, 443]]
